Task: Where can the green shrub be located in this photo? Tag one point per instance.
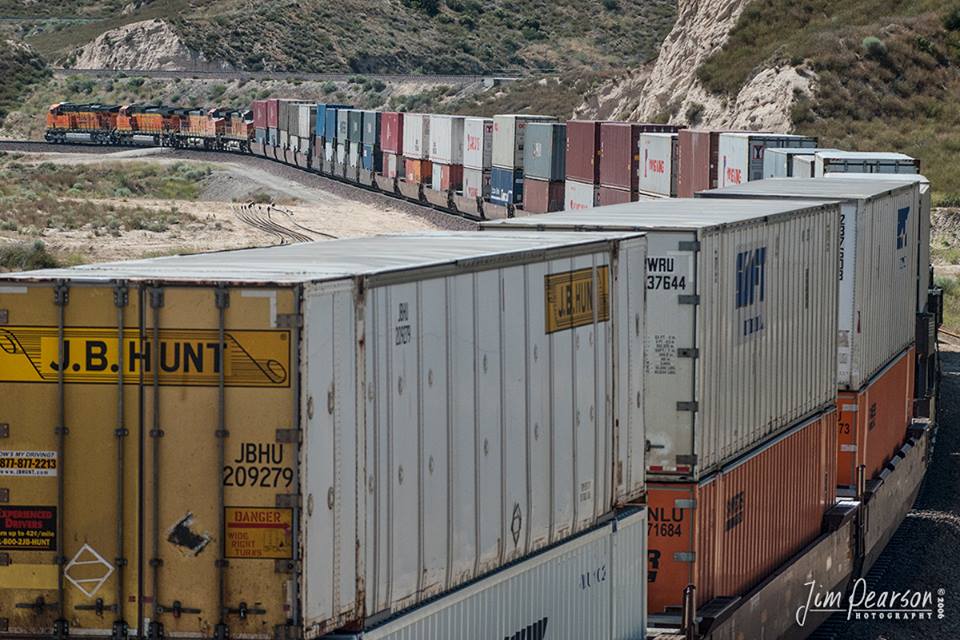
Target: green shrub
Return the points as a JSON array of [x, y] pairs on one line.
[[875, 48], [25, 256]]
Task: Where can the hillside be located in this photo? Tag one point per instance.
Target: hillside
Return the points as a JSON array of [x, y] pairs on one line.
[[387, 36], [864, 74]]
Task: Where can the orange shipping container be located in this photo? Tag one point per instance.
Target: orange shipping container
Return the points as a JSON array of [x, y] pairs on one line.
[[418, 171], [874, 420], [731, 530]]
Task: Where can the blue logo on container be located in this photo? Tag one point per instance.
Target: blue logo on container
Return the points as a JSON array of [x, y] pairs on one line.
[[751, 285], [902, 216]]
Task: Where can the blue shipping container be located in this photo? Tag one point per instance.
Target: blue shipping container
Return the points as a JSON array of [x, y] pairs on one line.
[[327, 122], [506, 186], [372, 159], [273, 137], [260, 136]]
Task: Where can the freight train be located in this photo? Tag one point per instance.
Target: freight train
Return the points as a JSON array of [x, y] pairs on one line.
[[660, 416]]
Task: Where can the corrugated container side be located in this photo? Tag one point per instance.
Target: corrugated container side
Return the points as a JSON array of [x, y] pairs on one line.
[[619, 155], [542, 196], [590, 587], [476, 183], [446, 139], [874, 421], [658, 167], [506, 186], [416, 136], [583, 151], [611, 195], [343, 125], [578, 195], [355, 125], [509, 134], [804, 166], [371, 121], [693, 162], [393, 165], [418, 171], [259, 114], [544, 151], [734, 524], [370, 158], [741, 154], [851, 162], [478, 143], [273, 113], [391, 132]]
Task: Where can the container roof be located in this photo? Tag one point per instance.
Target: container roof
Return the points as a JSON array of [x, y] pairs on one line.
[[793, 151], [815, 188], [325, 260], [863, 155], [675, 214]]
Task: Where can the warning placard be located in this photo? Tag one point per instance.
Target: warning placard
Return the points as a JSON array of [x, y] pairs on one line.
[[259, 532], [24, 528], [28, 463]]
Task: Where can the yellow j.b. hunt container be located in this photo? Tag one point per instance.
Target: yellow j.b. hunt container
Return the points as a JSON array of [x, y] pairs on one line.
[[276, 443]]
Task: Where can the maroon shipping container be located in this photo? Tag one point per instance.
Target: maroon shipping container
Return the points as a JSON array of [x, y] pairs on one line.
[[613, 195], [273, 113], [259, 114], [391, 132], [619, 154], [451, 177], [583, 151], [697, 160], [542, 196]]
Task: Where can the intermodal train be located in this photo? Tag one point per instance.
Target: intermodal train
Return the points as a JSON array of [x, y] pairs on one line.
[[663, 413]]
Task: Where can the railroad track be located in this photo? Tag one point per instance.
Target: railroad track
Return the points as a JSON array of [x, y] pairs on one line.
[[261, 217], [949, 337]]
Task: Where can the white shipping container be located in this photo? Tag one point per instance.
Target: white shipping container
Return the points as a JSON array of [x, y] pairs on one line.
[[476, 183], [463, 406], [741, 154], [780, 163], [508, 136], [306, 120], [658, 168], [343, 124], [477, 143], [579, 195], [923, 242], [416, 136], [284, 139], [740, 337], [435, 178], [864, 162], [591, 587], [803, 166], [881, 224], [446, 139], [328, 151], [393, 165], [354, 158], [342, 153]]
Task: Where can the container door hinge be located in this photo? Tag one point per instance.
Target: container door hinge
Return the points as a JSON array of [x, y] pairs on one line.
[[121, 295], [685, 503], [4, 495], [221, 632], [691, 352], [223, 298], [156, 299], [4, 559], [288, 501], [4, 624], [4, 430], [61, 629], [689, 459], [684, 556], [288, 436], [689, 299], [689, 245], [98, 606], [286, 632], [691, 405], [286, 566], [61, 294], [177, 609], [4, 316], [155, 631], [289, 320], [121, 630]]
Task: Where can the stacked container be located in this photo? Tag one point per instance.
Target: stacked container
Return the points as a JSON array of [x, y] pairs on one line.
[[260, 121], [698, 160], [730, 402], [658, 164], [620, 154], [784, 163], [416, 148], [506, 177], [741, 154], [354, 138], [446, 152], [544, 166], [391, 141], [582, 188], [273, 120], [880, 279], [371, 157], [329, 132], [832, 161], [342, 151], [477, 157]]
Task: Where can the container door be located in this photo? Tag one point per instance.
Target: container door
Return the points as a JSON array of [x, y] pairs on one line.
[[68, 460], [331, 541], [219, 367]]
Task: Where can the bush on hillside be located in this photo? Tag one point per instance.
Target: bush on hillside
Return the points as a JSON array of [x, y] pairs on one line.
[[875, 48]]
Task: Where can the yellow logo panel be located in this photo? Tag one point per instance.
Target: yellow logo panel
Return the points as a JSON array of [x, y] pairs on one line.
[[570, 298], [184, 357]]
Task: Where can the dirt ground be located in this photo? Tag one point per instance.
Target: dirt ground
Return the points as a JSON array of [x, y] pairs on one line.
[[216, 223]]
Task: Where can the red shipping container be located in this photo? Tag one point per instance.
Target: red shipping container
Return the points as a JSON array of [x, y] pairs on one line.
[[697, 160], [260, 114], [451, 177], [583, 151], [542, 196], [273, 113], [612, 195], [391, 132], [619, 154], [733, 529], [874, 420], [418, 171]]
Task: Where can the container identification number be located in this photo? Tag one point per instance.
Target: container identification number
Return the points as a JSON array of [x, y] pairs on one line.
[[662, 274], [258, 465]]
